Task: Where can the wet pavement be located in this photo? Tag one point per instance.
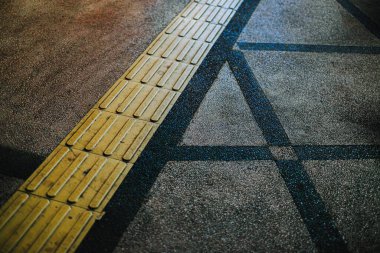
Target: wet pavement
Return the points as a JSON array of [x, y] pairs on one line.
[[273, 147]]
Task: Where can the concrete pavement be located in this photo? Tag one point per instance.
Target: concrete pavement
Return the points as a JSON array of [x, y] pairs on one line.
[[274, 145], [58, 59]]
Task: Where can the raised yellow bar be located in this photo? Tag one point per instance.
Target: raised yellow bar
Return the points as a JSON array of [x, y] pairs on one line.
[[54, 209]]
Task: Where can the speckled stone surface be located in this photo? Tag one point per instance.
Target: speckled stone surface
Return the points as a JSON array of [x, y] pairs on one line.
[[59, 57], [324, 99], [351, 191], [223, 117], [305, 22], [370, 7], [217, 207], [8, 185], [283, 153]]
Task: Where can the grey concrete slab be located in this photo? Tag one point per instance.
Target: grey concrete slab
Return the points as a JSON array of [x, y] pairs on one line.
[[58, 58], [351, 191], [8, 185], [325, 99], [371, 8], [223, 117], [217, 207], [305, 22], [283, 153]]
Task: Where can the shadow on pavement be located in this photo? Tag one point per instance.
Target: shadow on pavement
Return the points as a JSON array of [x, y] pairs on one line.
[[18, 163]]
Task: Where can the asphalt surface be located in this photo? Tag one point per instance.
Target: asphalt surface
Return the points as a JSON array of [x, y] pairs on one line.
[[274, 146]]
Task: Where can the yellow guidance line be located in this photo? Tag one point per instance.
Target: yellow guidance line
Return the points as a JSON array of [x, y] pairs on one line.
[[55, 208]]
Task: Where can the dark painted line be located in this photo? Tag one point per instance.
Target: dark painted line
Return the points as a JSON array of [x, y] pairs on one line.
[[250, 153], [259, 104], [313, 152], [220, 153], [363, 18], [17, 163], [130, 196], [307, 48], [313, 211], [319, 223]]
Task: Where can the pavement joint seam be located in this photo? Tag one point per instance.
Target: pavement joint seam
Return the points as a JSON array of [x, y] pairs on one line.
[[138, 182], [74, 172], [361, 17], [316, 217], [376, 152], [308, 48], [177, 122], [252, 153]]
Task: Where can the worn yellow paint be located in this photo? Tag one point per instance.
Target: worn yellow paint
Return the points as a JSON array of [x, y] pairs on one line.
[[54, 209]]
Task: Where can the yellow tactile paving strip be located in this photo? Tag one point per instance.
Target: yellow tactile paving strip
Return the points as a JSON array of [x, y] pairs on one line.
[[55, 208], [228, 4], [33, 224], [111, 135], [144, 102], [76, 177]]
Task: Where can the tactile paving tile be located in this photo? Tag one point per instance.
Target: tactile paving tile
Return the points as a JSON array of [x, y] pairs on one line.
[[139, 101], [194, 29], [111, 135], [178, 49], [161, 73], [208, 13], [33, 224], [76, 177], [56, 206], [232, 4]]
